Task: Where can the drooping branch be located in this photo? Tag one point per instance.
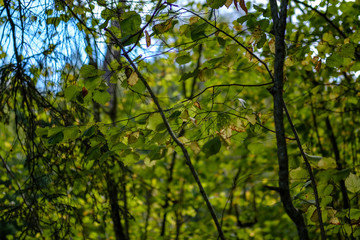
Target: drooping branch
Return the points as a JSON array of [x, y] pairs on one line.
[[172, 134], [23, 196], [311, 174], [277, 92]]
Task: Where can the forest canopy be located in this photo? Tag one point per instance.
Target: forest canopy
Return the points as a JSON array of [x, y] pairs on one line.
[[216, 119]]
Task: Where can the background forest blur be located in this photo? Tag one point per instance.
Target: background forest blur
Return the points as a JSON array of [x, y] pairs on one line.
[[164, 119]]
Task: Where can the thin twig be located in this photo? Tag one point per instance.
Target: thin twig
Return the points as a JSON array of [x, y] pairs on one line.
[[311, 174]]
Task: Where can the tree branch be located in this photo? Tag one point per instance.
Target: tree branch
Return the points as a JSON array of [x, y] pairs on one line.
[[311, 174], [173, 136]]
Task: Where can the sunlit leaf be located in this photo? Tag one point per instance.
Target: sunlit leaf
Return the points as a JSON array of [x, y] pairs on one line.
[[352, 183], [101, 97], [133, 79]]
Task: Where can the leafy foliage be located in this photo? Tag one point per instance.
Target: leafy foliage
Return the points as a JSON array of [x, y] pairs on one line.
[[86, 152]]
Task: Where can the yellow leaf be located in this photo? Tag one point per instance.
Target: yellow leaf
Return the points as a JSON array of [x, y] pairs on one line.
[[183, 140], [251, 119], [197, 104], [195, 147], [7, 145], [256, 35], [248, 54], [193, 20], [132, 80], [185, 115], [148, 39], [326, 163], [352, 183], [318, 66], [228, 3], [225, 134], [133, 137], [272, 45], [163, 27], [289, 62], [238, 27], [205, 74], [149, 163]]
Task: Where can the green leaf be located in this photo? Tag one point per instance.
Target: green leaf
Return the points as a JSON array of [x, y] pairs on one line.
[[244, 18], [221, 41], [198, 31], [94, 153], [57, 138], [42, 132], [298, 174], [156, 153], [106, 13], [329, 38], [354, 214], [326, 163], [154, 120], [131, 23], [352, 183], [205, 74], [53, 21], [118, 147], [71, 92], [89, 164], [325, 189], [356, 37], [90, 131], [49, 11], [216, 3], [129, 26], [325, 201], [347, 50], [189, 75], [262, 41], [335, 60], [129, 157], [71, 133], [88, 71], [101, 97], [183, 59], [212, 146], [54, 130]]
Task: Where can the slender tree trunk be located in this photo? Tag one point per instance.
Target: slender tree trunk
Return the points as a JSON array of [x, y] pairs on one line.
[[115, 208], [279, 19]]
